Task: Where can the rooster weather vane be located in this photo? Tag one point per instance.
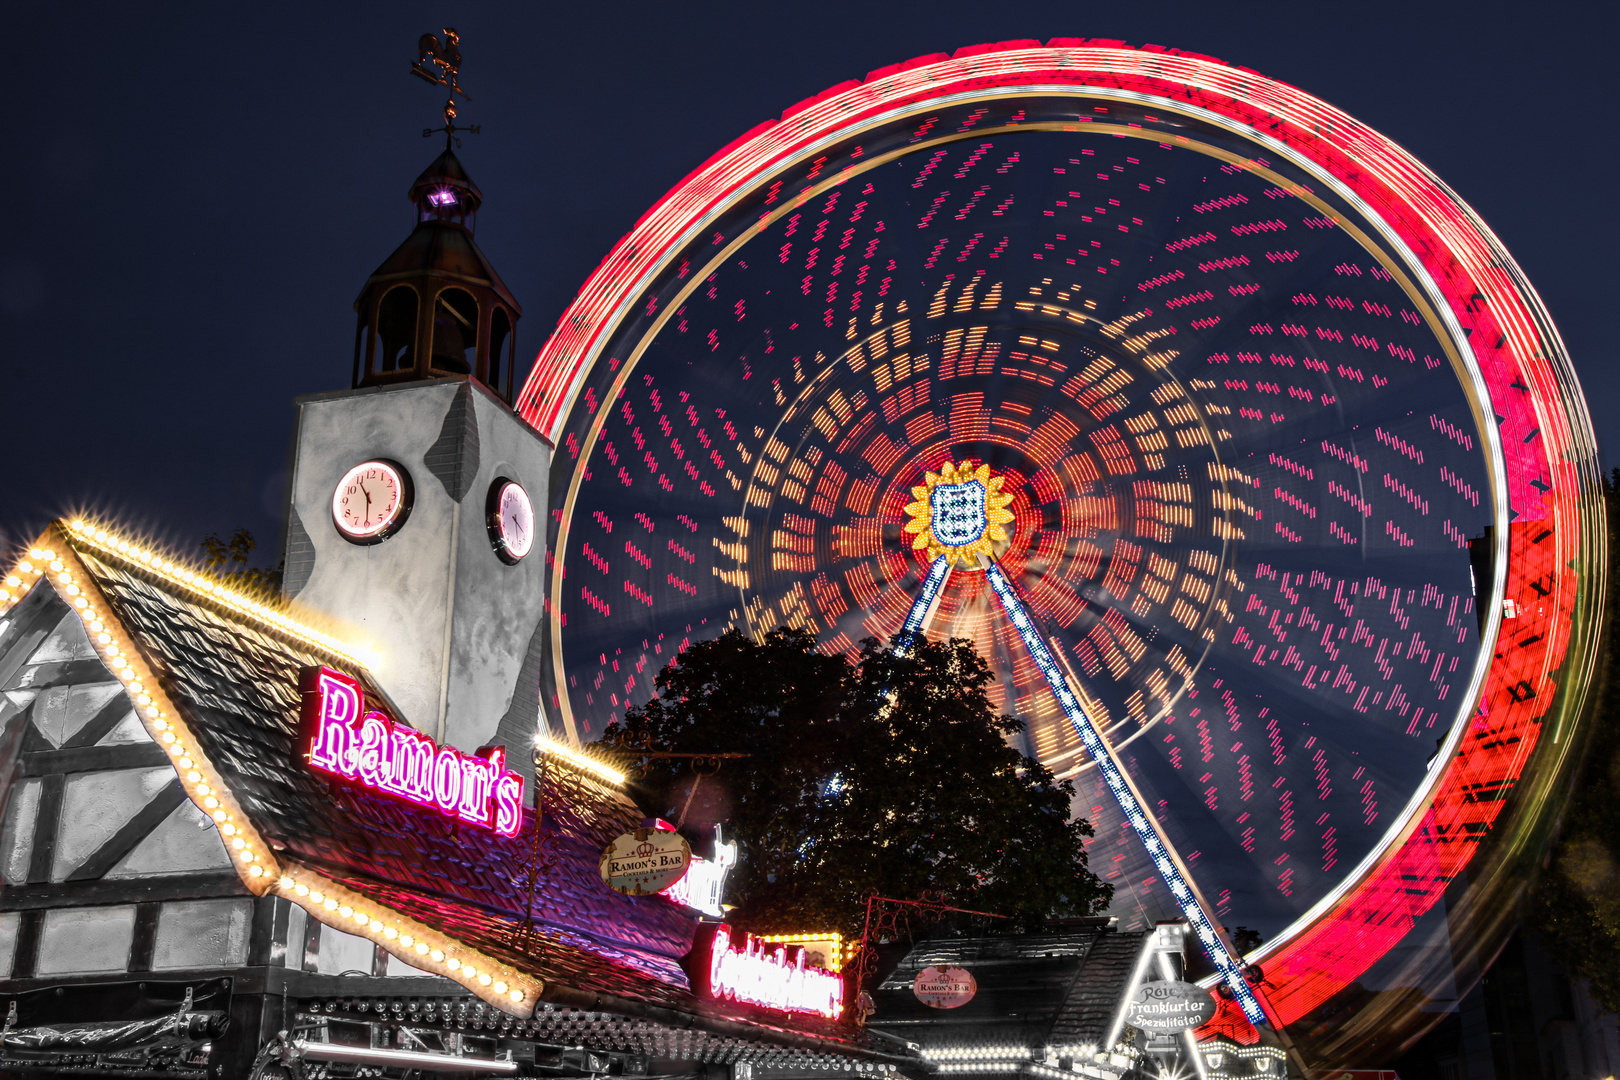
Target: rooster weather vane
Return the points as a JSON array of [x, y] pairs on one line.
[[440, 64]]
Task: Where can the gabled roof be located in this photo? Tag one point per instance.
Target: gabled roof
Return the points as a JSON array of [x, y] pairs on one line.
[[215, 678], [1058, 990], [1098, 993]]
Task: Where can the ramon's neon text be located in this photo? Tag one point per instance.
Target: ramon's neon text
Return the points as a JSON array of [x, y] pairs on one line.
[[369, 749]]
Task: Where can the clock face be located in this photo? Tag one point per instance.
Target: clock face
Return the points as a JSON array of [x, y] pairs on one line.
[[372, 501], [511, 520]]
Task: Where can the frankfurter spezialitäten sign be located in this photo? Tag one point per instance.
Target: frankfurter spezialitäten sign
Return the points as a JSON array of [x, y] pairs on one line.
[[1169, 1007]]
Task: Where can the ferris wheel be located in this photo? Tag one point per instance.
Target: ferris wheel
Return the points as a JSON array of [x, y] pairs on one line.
[[1235, 441]]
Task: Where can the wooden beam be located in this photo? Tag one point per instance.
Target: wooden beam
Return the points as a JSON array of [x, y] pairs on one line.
[[204, 886], [133, 831], [99, 725], [47, 818], [93, 759]]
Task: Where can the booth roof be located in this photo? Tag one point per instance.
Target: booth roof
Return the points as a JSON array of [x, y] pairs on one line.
[[1035, 991], [215, 676]]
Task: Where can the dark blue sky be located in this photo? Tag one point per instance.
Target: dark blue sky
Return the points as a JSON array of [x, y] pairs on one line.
[[198, 192]]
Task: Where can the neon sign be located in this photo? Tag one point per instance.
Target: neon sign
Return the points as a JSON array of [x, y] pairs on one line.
[[367, 748], [703, 885], [754, 973]]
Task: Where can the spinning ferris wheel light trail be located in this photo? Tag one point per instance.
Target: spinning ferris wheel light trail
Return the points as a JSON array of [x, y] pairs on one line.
[[959, 514], [1306, 493]]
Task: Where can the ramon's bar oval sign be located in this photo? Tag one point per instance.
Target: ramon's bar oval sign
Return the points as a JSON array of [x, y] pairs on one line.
[[944, 987], [1169, 1007], [645, 861]]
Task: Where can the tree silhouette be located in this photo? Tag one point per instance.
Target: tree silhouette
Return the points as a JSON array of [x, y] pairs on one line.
[[227, 560], [1575, 904], [890, 774]]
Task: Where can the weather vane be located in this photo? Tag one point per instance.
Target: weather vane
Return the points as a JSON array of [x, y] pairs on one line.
[[445, 60]]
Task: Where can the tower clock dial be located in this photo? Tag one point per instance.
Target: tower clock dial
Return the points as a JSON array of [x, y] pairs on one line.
[[511, 520], [372, 501]]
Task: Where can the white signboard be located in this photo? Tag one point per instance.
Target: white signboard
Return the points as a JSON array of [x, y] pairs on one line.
[[1169, 1007], [645, 861], [944, 987]]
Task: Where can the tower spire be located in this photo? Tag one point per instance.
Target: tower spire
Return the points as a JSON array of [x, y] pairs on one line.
[[436, 308]]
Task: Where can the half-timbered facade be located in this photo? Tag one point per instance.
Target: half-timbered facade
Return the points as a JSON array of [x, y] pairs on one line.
[[186, 895]]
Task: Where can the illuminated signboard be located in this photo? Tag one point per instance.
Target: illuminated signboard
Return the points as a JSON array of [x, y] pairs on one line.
[[645, 861], [751, 972], [945, 987], [703, 886], [1169, 1007], [366, 748]]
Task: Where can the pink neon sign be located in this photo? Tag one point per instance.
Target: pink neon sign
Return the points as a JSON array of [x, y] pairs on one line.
[[367, 748], [753, 973]]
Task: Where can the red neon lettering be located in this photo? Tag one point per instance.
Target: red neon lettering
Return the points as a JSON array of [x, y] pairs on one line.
[[478, 778], [338, 698], [775, 978], [447, 779], [411, 775], [508, 804], [372, 751]]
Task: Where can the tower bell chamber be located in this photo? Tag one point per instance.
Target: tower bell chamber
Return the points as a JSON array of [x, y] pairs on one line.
[[436, 308]]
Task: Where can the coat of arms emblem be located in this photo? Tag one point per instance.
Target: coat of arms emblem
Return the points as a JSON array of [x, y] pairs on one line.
[[959, 512]]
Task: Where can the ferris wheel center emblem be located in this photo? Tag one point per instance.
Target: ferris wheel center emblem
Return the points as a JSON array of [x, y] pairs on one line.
[[959, 513]]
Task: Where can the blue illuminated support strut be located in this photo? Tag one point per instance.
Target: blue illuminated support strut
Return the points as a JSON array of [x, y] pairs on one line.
[[1130, 800], [922, 609]]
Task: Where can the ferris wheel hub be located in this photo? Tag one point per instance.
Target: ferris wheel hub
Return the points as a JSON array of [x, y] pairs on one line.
[[960, 514]]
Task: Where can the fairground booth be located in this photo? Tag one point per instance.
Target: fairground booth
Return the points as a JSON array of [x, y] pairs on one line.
[[250, 838], [1236, 442], [208, 861]]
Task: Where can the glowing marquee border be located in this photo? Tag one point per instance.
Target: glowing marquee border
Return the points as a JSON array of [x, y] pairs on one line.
[[366, 748], [54, 560], [1554, 548]]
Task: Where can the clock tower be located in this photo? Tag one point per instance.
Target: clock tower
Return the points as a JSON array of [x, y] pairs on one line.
[[416, 494]]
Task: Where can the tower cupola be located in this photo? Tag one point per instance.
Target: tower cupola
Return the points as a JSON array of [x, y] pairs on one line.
[[444, 192], [436, 308]]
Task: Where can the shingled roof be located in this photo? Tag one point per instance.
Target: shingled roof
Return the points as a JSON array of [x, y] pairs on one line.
[[215, 677], [1097, 992], [1034, 991]]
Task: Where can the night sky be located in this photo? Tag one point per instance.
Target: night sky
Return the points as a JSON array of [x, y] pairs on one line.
[[199, 192]]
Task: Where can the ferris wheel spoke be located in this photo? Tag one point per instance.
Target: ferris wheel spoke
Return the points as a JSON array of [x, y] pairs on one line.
[[925, 606], [1165, 859]]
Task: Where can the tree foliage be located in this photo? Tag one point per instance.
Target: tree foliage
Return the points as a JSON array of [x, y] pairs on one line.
[[228, 561], [890, 774], [1576, 902]]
